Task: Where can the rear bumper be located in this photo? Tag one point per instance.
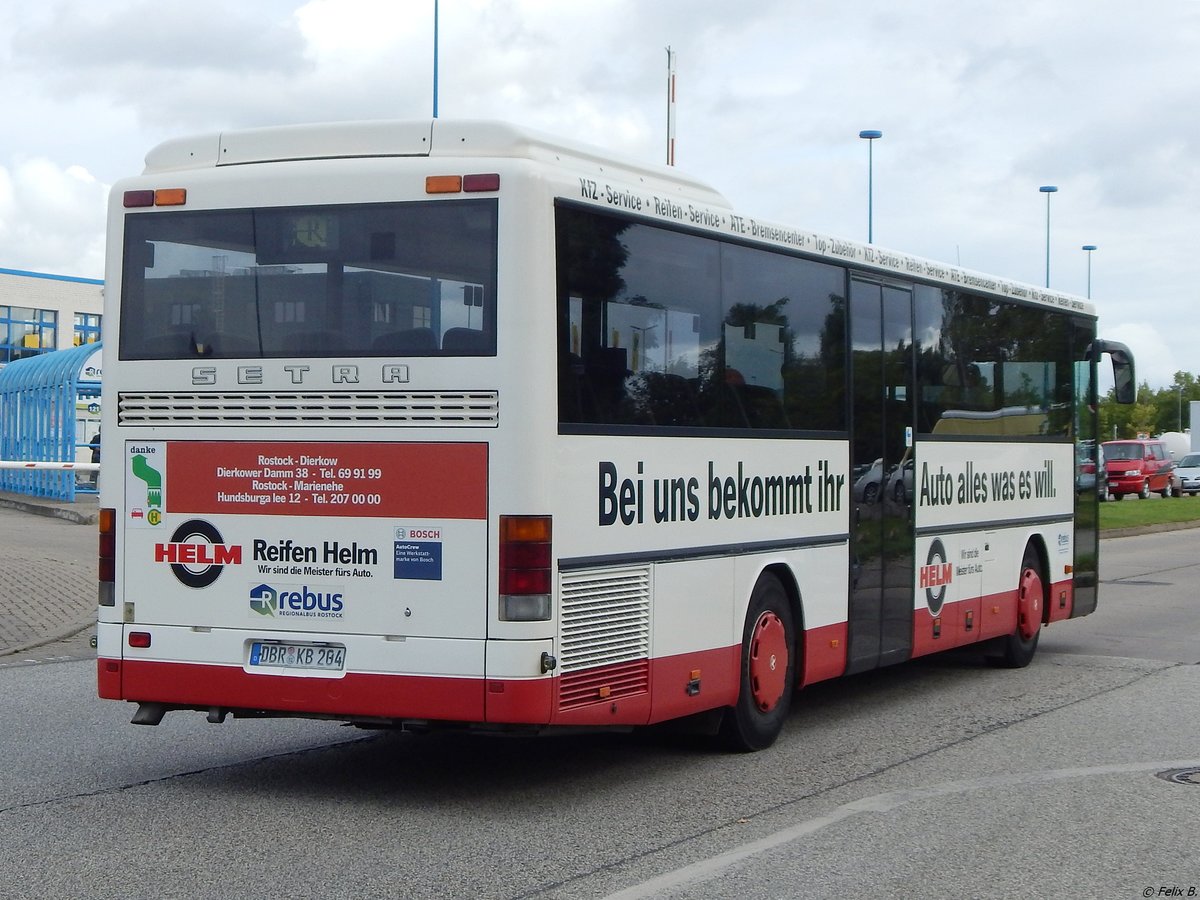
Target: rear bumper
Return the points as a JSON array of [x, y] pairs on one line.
[[415, 678]]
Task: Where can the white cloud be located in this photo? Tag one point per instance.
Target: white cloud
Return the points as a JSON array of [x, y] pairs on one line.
[[52, 219], [1155, 360]]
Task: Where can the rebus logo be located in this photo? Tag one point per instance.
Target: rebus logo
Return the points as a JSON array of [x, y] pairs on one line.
[[197, 553], [264, 600], [296, 601], [934, 576]]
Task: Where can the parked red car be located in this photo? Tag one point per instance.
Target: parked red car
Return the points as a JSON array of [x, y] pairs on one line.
[[1139, 467]]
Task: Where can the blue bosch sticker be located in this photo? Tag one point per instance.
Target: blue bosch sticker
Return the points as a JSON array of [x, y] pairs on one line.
[[419, 560]]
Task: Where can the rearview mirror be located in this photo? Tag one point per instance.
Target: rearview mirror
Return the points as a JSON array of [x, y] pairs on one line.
[[1124, 383]]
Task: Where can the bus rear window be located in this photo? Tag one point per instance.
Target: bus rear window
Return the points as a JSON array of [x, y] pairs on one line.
[[389, 279]]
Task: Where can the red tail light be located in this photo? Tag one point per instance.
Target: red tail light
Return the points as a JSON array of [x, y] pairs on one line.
[[526, 582], [107, 555]]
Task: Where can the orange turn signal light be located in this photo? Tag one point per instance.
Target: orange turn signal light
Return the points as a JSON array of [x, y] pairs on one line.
[[170, 197], [443, 184]]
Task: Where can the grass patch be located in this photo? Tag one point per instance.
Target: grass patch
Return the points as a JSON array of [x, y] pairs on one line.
[[1132, 512]]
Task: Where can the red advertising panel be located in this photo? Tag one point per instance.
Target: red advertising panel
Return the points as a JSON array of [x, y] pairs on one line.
[[280, 478]]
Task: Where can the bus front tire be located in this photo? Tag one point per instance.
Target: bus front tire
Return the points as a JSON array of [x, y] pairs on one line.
[[767, 670], [1018, 648]]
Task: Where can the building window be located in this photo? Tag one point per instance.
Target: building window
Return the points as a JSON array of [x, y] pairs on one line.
[[26, 332], [87, 328]]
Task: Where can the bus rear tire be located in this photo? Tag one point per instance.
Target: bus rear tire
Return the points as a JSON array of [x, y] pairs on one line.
[[1017, 649], [767, 671]]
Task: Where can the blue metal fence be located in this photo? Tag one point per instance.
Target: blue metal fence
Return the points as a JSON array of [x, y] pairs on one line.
[[37, 419]]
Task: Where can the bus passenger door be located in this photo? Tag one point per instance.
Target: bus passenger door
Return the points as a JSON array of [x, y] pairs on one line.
[[882, 521]]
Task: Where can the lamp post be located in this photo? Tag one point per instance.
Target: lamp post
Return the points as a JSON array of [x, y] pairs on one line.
[[1089, 248], [435, 58], [870, 136], [1048, 189]]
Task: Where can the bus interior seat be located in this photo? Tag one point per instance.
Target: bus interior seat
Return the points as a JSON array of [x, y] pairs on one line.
[[464, 340], [413, 340]]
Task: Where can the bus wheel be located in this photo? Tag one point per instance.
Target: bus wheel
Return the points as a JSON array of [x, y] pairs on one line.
[[1018, 648], [767, 671]]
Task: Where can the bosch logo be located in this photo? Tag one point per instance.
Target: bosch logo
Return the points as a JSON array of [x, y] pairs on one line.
[[935, 575], [197, 553], [418, 534]]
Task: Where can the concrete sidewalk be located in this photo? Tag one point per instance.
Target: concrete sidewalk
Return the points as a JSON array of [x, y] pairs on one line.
[[47, 570]]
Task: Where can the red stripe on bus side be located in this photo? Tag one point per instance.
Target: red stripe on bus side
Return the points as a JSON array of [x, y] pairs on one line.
[[1062, 600], [498, 701], [717, 684], [992, 616], [824, 654]]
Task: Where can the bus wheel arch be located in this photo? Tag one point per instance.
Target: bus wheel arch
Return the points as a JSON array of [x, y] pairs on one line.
[[767, 666]]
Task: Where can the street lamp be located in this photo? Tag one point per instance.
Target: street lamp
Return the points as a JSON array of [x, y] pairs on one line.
[[870, 136], [435, 58], [1089, 248], [1048, 189]]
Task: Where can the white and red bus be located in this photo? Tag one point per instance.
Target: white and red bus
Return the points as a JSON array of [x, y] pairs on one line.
[[437, 423]]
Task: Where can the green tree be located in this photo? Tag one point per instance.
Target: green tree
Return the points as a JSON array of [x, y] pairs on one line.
[[1156, 411]]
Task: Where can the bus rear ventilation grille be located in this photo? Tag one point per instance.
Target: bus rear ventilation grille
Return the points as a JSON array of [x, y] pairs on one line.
[[604, 635], [440, 409], [602, 685]]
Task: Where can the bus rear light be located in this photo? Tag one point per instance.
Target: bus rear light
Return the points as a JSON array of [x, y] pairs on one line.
[[475, 183], [138, 198], [525, 568], [107, 555], [469, 184], [170, 197], [443, 184], [161, 197], [139, 640], [524, 608]]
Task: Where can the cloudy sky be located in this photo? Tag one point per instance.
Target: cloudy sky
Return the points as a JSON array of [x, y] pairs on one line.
[[979, 103]]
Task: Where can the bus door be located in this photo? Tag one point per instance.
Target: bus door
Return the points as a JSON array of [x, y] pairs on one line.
[[882, 521]]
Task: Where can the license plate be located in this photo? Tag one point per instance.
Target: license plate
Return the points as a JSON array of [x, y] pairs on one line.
[[297, 656]]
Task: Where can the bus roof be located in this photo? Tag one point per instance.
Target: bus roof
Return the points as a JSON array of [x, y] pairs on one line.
[[430, 138], [483, 139]]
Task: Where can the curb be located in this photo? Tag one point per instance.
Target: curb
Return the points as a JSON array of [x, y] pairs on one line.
[[56, 512], [70, 632], [1148, 529]]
